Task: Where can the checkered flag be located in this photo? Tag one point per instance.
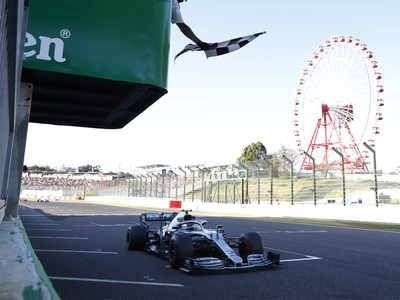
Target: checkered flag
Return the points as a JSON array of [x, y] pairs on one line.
[[221, 48]]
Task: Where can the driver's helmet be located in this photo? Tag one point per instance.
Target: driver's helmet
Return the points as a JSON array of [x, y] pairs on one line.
[[188, 217]]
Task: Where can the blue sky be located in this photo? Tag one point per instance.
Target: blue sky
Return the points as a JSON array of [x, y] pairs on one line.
[[217, 106]]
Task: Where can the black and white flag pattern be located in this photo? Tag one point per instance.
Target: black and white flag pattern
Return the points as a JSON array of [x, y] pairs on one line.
[[221, 48]]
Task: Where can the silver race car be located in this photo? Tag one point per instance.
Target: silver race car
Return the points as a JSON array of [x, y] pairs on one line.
[[189, 246]]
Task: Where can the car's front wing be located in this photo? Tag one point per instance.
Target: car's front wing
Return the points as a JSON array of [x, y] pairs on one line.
[[254, 262]]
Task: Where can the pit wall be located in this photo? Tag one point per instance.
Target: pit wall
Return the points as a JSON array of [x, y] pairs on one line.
[[21, 274]]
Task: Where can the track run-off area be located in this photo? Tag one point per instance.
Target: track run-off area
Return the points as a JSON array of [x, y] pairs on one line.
[[82, 248]]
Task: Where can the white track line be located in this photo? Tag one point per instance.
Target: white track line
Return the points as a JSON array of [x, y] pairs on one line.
[[45, 229], [306, 256], [163, 284], [301, 259], [291, 252], [74, 251], [58, 237], [40, 224], [110, 225], [32, 216], [294, 231]]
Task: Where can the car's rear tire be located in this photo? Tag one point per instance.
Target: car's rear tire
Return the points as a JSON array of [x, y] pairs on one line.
[[136, 237], [250, 243], [180, 247]]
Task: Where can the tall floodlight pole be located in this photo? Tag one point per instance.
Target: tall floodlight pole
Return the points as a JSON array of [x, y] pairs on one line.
[[156, 186], [169, 184], [176, 185], [314, 180], [208, 187], [291, 177], [242, 201], [163, 173], [135, 179], [141, 185], [145, 185], [375, 175], [258, 184], [131, 181], [202, 183], [84, 188], [148, 176], [234, 192], [343, 179], [184, 183], [226, 186], [192, 171], [271, 183], [210, 194], [135, 186], [206, 190], [218, 185], [217, 191], [151, 185], [247, 185]]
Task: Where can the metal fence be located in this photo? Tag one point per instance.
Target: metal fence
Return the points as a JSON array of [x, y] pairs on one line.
[[255, 186], [244, 186]]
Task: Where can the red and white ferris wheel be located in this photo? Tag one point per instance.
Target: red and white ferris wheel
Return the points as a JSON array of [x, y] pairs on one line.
[[338, 104]]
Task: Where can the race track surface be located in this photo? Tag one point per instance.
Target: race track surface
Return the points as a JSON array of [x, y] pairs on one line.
[[82, 248]]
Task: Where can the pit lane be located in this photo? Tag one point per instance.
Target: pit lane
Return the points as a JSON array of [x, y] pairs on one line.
[[82, 248]]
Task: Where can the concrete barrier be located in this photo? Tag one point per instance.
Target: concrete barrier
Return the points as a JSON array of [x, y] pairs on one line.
[[22, 275]]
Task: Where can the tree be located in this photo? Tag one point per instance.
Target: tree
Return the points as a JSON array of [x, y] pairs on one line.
[[89, 168], [39, 169], [67, 169], [289, 153], [253, 152]]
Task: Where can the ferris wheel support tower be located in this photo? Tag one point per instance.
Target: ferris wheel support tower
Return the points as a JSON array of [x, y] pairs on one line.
[[332, 132]]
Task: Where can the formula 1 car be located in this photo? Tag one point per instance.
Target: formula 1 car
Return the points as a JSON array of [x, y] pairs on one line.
[[189, 246]]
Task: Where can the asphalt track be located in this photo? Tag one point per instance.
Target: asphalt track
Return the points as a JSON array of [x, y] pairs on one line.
[[82, 248]]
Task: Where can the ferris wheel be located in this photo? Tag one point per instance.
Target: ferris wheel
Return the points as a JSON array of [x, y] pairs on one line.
[[338, 104]]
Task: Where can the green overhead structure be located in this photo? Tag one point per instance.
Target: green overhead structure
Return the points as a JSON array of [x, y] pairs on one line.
[[96, 63]]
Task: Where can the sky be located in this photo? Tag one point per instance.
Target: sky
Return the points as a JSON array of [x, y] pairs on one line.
[[217, 106]]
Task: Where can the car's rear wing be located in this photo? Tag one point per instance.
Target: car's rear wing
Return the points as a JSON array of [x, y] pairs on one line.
[[157, 217]]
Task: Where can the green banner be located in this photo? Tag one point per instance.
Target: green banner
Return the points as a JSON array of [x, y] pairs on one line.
[[120, 40]]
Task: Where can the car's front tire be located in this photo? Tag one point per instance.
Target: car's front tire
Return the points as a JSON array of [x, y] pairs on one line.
[[250, 243], [180, 247]]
